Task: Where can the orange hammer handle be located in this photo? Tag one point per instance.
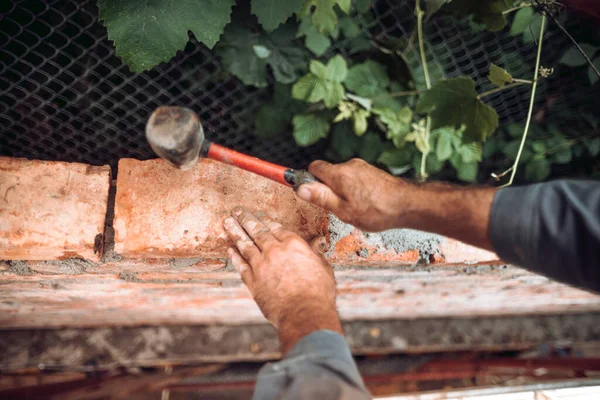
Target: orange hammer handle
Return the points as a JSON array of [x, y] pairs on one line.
[[278, 173]]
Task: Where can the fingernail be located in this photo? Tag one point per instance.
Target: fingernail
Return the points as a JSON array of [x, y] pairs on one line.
[[237, 211], [228, 222], [304, 193]]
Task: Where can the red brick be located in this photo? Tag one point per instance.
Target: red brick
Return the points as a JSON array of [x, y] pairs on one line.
[[354, 249], [51, 210], [455, 252], [161, 211]]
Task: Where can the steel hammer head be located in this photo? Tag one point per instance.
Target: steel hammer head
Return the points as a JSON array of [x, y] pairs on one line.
[[176, 135]]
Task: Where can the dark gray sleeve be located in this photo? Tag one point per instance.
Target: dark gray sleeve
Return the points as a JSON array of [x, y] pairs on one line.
[[319, 366], [552, 229]]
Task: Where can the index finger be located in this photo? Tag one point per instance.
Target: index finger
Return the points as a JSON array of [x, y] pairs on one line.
[[259, 232]]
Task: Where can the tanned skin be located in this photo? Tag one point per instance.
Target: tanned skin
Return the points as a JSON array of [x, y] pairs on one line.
[[294, 285]]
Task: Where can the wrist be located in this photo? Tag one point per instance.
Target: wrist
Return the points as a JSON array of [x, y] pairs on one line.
[[305, 317]]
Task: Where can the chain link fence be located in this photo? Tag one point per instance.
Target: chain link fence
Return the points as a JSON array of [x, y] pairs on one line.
[[65, 95]]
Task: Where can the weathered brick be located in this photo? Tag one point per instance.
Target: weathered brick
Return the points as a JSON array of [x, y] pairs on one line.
[[455, 252], [51, 210], [161, 211]]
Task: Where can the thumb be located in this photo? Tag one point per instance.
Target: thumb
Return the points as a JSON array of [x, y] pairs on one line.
[[320, 195]]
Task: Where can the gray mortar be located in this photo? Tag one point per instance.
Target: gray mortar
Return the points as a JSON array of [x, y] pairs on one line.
[[72, 266], [109, 254], [337, 231], [400, 240], [183, 262], [129, 277], [19, 268]]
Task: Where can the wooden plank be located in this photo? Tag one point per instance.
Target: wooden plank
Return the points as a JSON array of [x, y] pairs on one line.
[[156, 298]]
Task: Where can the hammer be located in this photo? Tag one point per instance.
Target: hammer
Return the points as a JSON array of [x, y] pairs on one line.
[[176, 135]]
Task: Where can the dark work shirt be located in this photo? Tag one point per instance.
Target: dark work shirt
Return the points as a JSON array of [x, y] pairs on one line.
[[549, 228], [552, 229]]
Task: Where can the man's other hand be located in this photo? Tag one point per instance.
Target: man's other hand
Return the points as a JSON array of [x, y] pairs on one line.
[[292, 284], [358, 194]]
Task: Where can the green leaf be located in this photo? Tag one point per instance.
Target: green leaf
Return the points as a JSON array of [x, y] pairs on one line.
[[488, 12], [317, 43], [466, 172], [146, 33], [343, 140], [371, 147], [534, 28], [538, 147], [592, 145], [368, 79], [574, 58], [445, 139], [498, 76], [470, 152], [396, 157], [360, 121], [246, 54], [363, 5], [322, 83], [454, 102], [349, 27], [345, 5], [515, 130], [398, 123], [322, 13], [310, 128], [337, 69], [592, 74], [271, 13], [521, 21], [261, 51], [274, 117], [512, 148], [563, 155], [433, 6], [537, 169], [435, 67], [309, 88]]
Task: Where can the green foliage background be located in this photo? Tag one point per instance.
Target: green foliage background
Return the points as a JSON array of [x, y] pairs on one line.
[[332, 80]]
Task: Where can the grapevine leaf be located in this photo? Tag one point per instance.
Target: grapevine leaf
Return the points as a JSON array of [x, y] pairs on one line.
[[309, 128], [434, 6], [532, 33], [396, 157], [368, 79], [563, 155], [337, 69], [322, 83], [349, 28], [537, 170], [498, 76], [146, 33], [238, 56], [487, 12], [466, 172], [592, 74], [371, 147], [246, 54], [470, 152], [515, 130], [322, 14], [345, 5], [363, 5], [592, 145], [343, 140], [271, 13], [521, 22], [512, 148], [574, 58], [398, 123], [274, 117], [360, 121], [414, 64], [261, 51], [317, 43], [444, 148], [454, 102]]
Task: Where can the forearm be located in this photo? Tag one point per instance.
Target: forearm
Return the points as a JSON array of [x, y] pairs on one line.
[[449, 210], [305, 318]]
